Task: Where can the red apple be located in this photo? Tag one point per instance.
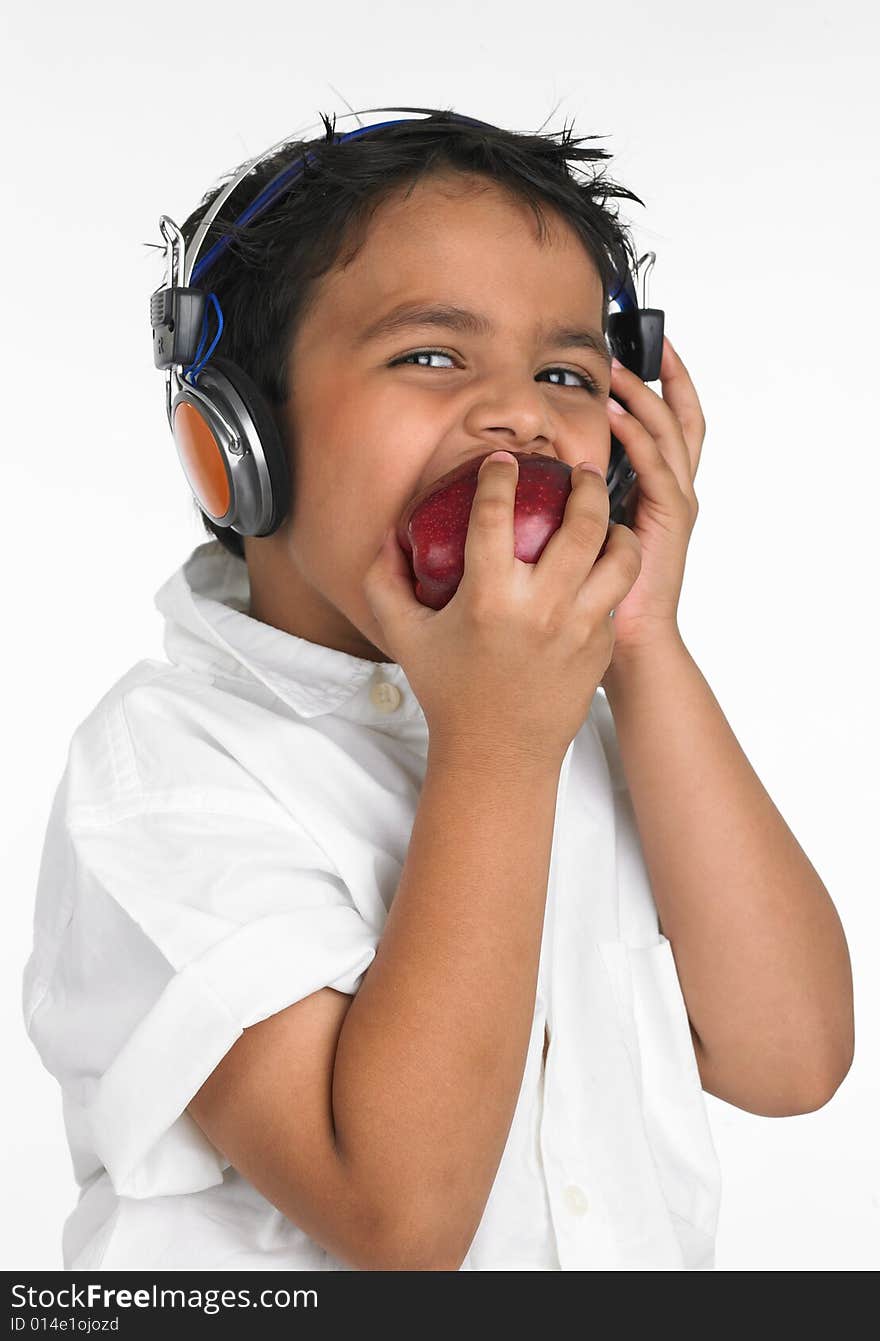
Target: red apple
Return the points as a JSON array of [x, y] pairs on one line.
[[433, 528]]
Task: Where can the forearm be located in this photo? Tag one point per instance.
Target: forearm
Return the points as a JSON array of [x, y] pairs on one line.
[[431, 1056], [757, 941]]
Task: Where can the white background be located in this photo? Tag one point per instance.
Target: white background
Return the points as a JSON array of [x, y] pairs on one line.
[[749, 131]]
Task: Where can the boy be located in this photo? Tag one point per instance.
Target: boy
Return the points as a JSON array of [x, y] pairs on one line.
[[367, 937]]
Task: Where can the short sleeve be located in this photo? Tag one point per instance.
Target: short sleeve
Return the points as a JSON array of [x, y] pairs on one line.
[[185, 927]]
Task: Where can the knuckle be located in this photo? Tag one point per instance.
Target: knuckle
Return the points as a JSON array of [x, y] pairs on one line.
[[590, 615], [587, 522], [483, 609], [630, 558], [550, 621], [633, 564], [583, 532], [490, 509]]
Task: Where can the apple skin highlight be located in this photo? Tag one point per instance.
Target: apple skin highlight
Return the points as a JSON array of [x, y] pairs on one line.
[[433, 527]]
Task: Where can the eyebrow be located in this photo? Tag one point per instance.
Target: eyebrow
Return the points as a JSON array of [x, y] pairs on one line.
[[473, 323]]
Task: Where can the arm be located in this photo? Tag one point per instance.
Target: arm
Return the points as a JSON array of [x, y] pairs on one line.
[[758, 944], [431, 1056], [377, 1122]]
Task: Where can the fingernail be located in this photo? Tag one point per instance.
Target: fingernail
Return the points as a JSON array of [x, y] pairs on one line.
[[501, 456], [588, 465], [614, 406], [615, 363]]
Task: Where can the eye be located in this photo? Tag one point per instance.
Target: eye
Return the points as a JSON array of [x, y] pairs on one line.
[[420, 354], [586, 382], [585, 379]]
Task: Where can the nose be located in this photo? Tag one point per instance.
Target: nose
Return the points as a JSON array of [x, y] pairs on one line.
[[515, 409]]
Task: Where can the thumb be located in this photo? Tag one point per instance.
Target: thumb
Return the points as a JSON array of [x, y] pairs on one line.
[[388, 583]]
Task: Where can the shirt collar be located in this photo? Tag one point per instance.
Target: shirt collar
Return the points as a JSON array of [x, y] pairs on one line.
[[207, 627]]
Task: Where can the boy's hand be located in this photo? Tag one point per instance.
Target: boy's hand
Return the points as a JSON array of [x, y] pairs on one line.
[[512, 662], [662, 437]]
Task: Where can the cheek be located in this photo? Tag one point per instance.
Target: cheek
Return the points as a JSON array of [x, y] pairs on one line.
[[354, 429], [363, 451], [351, 490]]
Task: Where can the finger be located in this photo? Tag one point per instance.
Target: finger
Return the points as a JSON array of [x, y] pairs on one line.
[[572, 548], [489, 543], [657, 418], [614, 573], [657, 475], [388, 584], [680, 395]]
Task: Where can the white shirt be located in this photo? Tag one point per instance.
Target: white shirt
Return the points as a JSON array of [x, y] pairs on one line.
[[227, 838]]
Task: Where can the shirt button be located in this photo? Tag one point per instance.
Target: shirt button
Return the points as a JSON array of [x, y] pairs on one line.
[[384, 696], [575, 1199]]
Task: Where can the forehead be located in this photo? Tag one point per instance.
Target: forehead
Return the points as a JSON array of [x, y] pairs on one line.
[[463, 203], [462, 240]]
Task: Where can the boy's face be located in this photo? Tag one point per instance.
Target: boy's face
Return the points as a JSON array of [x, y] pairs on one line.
[[365, 436]]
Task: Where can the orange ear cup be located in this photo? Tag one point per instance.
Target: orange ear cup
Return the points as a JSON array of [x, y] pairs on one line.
[[202, 460]]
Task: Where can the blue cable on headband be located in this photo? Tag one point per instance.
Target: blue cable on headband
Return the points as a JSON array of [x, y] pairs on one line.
[[625, 293], [269, 193], [196, 367]]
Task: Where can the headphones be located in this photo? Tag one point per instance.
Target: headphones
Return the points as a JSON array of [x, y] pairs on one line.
[[227, 438]]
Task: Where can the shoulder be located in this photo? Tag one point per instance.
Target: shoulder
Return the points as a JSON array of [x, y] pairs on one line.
[[163, 732]]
